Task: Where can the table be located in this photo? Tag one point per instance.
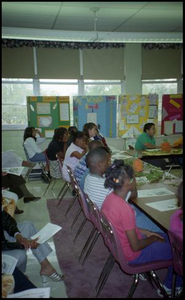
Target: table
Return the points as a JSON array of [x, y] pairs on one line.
[[158, 154]]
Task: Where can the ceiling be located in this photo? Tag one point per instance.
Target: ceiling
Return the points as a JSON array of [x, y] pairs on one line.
[[112, 17]]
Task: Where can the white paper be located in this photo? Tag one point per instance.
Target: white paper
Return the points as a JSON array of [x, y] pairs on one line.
[[15, 171], [141, 179], [168, 127], [92, 117], [132, 119], [45, 121], [154, 193], [152, 112], [10, 159], [32, 293], [49, 133], [8, 264], [165, 205], [64, 111], [178, 126], [133, 107], [46, 232], [43, 109]]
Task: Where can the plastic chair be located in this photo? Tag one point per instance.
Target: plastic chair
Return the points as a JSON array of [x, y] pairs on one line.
[[177, 252], [116, 254]]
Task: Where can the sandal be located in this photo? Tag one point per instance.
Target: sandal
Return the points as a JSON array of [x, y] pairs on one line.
[[55, 277]]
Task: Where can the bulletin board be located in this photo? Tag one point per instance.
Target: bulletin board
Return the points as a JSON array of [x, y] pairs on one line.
[[100, 110], [48, 113], [134, 112], [172, 114]]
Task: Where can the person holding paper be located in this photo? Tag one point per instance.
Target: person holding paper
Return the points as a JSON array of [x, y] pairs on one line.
[[146, 140], [16, 239]]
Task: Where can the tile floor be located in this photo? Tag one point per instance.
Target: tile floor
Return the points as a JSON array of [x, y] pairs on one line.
[[37, 213]]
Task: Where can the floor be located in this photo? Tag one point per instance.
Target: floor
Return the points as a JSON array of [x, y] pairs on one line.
[[37, 213]]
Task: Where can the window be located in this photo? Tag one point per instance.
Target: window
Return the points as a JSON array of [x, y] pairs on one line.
[[14, 106], [160, 87], [102, 87]]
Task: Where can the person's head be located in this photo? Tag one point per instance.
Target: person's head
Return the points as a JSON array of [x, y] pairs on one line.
[[180, 195], [95, 144], [29, 132], [150, 129], [98, 160], [72, 129], [120, 176], [61, 134], [90, 129], [79, 139]]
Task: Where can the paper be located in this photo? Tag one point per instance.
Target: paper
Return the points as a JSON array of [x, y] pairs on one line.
[[45, 121], [15, 170], [133, 107], [8, 264], [164, 113], [43, 108], [174, 103], [178, 126], [46, 232], [132, 119], [154, 193], [64, 111], [92, 117], [32, 293], [168, 127], [152, 112], [165, 205], [49, 133], [141, 179], [10, 159]]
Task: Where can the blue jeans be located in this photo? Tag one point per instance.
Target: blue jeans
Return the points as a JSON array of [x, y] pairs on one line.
[[38, 157]]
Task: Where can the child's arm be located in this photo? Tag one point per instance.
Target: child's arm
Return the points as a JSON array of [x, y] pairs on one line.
[[78, 154], [137, 244]]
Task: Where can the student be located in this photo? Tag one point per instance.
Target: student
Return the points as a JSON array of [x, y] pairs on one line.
[[57, 148], [74, 153], [16, 240], [71, 130], [139, 245], [90, 131], [31, 144], [146, 140], [97, 160], [176, 226]]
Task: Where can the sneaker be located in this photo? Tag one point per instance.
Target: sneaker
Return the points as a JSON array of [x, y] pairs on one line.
[[168, 291], [142, 277]]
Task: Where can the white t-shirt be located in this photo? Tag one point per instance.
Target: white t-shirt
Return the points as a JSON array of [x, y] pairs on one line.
[[70, 161], [31, 146]]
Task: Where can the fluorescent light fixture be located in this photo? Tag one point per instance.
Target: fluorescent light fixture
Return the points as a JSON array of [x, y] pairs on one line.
[[91, 36]]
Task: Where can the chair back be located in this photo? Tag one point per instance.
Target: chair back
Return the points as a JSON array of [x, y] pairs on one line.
[[93, 210], [26, 153], [177, 252], [73, 180]]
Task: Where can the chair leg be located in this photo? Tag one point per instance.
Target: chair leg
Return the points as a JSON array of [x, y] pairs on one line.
[[62, 189], [49, 184], [158, 283], [93, 242], [105, 274], [87, 243], [63, 194], [133, 286], [148, 276], [76, 217], [80, 229], [173, 286], [70, 205]]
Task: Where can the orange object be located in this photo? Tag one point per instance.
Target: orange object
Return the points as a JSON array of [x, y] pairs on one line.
[[138, 165], [165, 146]]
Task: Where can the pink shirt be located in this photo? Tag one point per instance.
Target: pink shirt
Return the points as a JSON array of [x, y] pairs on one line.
[[176, 224], [122, 217]]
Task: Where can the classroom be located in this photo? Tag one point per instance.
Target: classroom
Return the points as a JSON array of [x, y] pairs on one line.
[[77, 77]]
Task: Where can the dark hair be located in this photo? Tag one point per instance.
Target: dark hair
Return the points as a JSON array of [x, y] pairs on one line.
[[117, 173], [88, 126], [72, 129], [77, 135], [180, 195], [59, 133], [28, 133], [147, 126], [96, 155], [95, 144]]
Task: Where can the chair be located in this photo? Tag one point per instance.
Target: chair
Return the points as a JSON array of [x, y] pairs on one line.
[[177, 252], [41, 164], [116, 254]]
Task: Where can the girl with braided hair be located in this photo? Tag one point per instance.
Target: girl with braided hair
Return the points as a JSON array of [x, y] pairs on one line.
[[139, 245]]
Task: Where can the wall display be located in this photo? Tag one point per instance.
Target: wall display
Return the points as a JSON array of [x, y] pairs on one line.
[[48, 113], [172, 114], [100, 110], [134, 112]]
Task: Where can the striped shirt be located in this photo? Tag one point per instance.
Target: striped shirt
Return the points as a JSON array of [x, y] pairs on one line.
[[94, 188]]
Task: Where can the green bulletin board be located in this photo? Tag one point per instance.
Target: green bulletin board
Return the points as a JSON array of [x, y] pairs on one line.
[[48, 113]]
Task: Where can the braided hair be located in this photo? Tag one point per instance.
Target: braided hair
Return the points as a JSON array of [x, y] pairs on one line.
[[117, 173]]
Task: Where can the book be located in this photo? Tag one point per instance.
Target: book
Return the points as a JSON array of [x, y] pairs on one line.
[[14, 170]]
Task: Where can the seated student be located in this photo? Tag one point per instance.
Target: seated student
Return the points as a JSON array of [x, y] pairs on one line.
[[74, 153], [91, 131], [71, 130], [57, 148], [16, 239], [176, 226], [97, 160], [146, 140], [139, 245]]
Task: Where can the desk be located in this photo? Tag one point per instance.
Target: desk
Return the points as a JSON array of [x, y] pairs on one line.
[[162, 219], [158, 154]]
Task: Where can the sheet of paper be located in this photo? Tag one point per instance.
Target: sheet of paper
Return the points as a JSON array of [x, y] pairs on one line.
[[168, 127], [64, 111], [92, 117], [132, 119], [44, 121], [46, 232], [141, 179], [43, 108], [133, 107], [15, 171], [178, 126], [32, 293], [8, 264], [154, 193], [49, 133], [152, 112], [164, 205]]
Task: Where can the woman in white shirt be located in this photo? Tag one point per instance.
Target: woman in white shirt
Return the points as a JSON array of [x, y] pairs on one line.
[[34, 153]]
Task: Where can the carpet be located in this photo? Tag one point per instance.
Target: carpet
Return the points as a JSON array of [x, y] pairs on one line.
[[80, 280]]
